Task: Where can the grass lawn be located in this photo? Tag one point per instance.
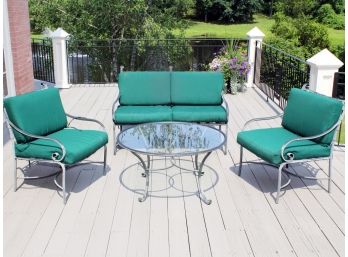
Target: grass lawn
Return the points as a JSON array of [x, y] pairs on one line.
[[202, 29], [342, 136], [37, 36]]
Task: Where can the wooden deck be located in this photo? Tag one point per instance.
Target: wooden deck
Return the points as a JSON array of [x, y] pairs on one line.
[[104, 218]]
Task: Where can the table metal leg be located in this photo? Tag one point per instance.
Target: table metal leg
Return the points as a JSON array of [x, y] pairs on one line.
[[200, 173], [196, 163], [146, 175]]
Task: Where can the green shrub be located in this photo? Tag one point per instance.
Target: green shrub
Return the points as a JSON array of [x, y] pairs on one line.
[[287, 46], [327, 15], [302, 37], [284, 27], [312, 35]]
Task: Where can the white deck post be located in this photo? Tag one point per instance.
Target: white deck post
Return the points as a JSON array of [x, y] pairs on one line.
[[60, 58], [323, 67], [253, 35]]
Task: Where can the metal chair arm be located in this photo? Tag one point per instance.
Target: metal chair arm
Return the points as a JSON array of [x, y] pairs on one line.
[[114, 105], [54, 155], [260, 119], [226, 105], [85, 119], [290, 155]]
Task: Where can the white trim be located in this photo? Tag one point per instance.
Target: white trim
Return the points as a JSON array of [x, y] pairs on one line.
[[11, 89]]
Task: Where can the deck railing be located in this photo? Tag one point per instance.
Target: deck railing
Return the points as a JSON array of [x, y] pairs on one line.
[[276, 72], [100, 61], [42, 56]]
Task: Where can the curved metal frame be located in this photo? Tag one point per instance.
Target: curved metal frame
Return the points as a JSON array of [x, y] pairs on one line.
[[198, 167], [55, 155], [290, 158], [197, 171]]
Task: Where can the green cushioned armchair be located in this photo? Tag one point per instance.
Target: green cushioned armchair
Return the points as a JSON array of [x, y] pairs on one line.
[[40, 132], [307, 133]]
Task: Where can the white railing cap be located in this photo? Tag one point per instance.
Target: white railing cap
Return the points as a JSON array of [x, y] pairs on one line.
[[325, 59], [255, 33], [59, 33]]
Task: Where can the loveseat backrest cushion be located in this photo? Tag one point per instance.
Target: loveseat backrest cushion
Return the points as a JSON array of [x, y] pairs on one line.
[[196, 88], [38, 112], [309, 114], [144, 88]]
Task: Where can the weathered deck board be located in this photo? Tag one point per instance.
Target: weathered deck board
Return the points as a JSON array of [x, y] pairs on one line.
[[104, 218]]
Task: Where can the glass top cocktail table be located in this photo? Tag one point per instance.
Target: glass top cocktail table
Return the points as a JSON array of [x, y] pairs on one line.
[[171, 139]]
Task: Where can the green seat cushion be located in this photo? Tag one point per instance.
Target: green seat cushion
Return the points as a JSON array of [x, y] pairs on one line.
[[142, 114], [38, 112], [199, 113], [79, 144], [308, 114], [144, 88], [196, 88], [267, 144]]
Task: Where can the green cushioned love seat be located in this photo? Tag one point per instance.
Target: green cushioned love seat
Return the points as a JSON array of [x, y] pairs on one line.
[[170, 96]]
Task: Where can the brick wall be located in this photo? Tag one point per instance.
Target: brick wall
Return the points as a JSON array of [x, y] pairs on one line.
[[18, 13]]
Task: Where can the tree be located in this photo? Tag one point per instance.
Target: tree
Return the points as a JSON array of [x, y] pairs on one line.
[[268, 7], [295, 8], [147, 21], [337, 5], [226, 10], [327, 15]]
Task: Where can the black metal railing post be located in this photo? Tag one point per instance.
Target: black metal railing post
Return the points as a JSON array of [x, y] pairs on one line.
[[279, 73], [42, 57]]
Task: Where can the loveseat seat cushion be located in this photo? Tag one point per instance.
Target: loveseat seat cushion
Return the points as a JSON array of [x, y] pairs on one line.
[[38, 112], [267, 144], [144, 88], [79, 144], [308, 114], [142, 114], [196, 88], [199, 113]]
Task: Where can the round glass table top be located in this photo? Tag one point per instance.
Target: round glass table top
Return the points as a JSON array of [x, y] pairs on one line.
[[171, 138]]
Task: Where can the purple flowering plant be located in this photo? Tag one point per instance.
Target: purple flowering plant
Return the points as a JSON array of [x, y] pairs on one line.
[[232, 61]]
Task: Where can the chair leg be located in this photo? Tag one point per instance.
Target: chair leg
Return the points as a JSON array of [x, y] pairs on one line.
[[225, 152], [63, 181], [15, 175], [330, 173], [105, 155], [279, 181], [240, 161], [114, 137]]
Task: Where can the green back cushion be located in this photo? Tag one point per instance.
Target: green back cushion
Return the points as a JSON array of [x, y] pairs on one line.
[[144, 88], [196, 88], [39, 113], [308, 114]]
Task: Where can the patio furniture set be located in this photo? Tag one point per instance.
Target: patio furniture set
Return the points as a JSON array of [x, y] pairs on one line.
[[171, 115]]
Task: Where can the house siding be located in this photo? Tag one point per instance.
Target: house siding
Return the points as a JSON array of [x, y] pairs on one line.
[[18, 13]]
